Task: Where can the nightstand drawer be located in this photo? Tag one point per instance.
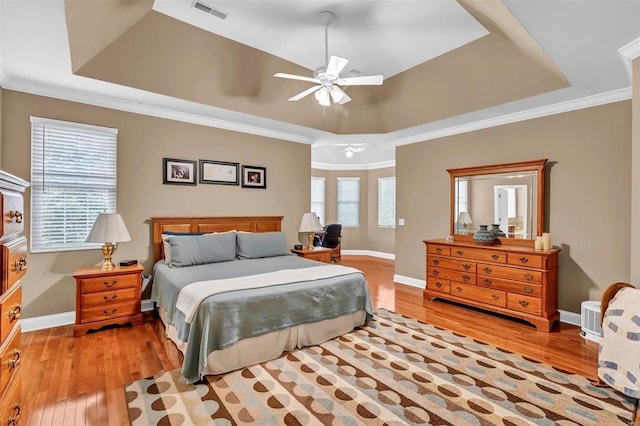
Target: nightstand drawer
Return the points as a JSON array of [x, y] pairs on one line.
[[109, 282], [10, 355], [320, 257], [101, 313], [107, 298], [14, 261], [12, 213], [10, 310]]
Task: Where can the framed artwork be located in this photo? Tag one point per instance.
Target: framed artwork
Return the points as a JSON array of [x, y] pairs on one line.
[[178, 172], [219, 172], [254, 177]]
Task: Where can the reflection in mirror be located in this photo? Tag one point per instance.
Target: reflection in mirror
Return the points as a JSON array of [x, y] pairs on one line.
[[508, 195]]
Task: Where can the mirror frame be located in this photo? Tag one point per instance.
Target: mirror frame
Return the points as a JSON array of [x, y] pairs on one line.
[[522, 166]]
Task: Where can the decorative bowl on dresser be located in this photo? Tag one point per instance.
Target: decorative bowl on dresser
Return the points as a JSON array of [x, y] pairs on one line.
[[13, 258]]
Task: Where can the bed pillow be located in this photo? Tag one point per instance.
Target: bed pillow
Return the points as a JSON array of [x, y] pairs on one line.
[[261, 244], [167, 247], [201, 249]]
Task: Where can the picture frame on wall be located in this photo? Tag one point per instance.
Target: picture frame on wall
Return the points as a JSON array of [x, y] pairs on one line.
[[219, 172], [179, 172], [254, 177]]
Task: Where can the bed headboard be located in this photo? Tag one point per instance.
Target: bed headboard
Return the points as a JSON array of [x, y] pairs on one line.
[[210, 224]]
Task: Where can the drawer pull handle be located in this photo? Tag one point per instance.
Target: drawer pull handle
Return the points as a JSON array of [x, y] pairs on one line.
[[523, 259], [495, 297], [528, 290], [436, 262], [110, 299], [13, 420], [113, 311], [436, 272], [466, 267], [466, 278], [487, 270], [460, 252], [528, 277], [459, 289], [523, 303], [495, 256], [487, 281], [16, 216], [21, 264], [438, 250], [14, 313], [110, 284], [13, 362], [438, 284]]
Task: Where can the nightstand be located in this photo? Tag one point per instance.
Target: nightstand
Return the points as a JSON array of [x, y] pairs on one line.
[[316, 253], [107, 297]]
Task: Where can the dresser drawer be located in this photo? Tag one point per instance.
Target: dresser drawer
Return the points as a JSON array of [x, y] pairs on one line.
[[458, 265], [533, 290], [112, 282], [478, 294], [528, 260], [484, 255], [438, 249], [100, 313], [10, 310], [510, 273], [438, 284], [12, 409], [107, 298], [530, 305], [12, 213], [14, 261], [9, 358], [447, 274], [320, 257]]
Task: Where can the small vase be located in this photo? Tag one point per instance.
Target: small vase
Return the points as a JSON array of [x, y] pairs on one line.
[[484, 236], [496, 231]]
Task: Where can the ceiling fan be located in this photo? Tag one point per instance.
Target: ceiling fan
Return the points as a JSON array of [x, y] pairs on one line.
[[351, 148], [327, 77]]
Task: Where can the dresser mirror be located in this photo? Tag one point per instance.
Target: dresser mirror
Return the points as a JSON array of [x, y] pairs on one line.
[[509, 195]]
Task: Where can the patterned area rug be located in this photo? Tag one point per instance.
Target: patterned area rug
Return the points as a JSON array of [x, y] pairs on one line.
[[395, 371]]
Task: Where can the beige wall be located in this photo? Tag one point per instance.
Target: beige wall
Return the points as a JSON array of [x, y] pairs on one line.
[[367, 236], [635, 178], [588, 202], [1, 91], [142, 143]]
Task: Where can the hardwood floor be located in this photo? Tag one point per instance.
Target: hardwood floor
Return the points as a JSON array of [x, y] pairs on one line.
[[75, 381]]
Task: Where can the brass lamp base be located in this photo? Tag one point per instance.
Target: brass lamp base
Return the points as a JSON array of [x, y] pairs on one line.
[[310, 236], [107, 251]]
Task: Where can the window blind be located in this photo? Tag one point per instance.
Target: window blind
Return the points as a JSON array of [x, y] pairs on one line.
[[73, 178], [387, 202], [317, 197], [349, 202]]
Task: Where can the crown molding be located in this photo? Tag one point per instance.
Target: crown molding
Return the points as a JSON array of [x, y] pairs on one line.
[[629, 52], [553, 109], [367, 166]]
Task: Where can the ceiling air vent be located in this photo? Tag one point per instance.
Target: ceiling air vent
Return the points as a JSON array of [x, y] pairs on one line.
[[209, 9]]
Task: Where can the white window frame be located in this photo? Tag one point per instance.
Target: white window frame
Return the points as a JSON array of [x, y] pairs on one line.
[[343, 202], [318, 198], [386, 210], [65, 201]]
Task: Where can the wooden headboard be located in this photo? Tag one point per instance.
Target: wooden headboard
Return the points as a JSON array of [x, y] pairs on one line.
[[210, 224]]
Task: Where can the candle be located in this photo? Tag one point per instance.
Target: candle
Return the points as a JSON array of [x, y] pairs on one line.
[[546, 241], [538, 243]]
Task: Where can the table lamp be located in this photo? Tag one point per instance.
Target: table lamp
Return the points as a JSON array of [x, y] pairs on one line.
[[464, 219], [310, 224], [108, 229]]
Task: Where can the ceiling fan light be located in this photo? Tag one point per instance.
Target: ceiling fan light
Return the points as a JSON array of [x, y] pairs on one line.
[[322, 96], [348, 154]]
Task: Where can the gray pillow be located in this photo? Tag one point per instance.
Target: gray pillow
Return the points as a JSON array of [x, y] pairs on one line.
[[201, 249], [261, 244]]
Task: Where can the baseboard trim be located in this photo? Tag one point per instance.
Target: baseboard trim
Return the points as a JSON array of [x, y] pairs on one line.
[[569, 317], [380, 254], [413, 282], [64, 318]]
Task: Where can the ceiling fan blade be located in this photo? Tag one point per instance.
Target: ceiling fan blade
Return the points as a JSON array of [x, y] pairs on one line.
[[335, 65], [344, 99], [338, 95], [296, 77], [305, 93], [365, 80]]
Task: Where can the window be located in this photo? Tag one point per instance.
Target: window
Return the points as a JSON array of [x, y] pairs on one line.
[[317, 197], [462, 197], [349, 202], [73, 178], [387, 202]]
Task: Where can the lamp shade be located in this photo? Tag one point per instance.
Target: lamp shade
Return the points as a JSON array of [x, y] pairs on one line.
[[310, 223], [108, 227], [464, 218]]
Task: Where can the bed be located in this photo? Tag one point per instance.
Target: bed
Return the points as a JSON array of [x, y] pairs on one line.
[[231, 294]]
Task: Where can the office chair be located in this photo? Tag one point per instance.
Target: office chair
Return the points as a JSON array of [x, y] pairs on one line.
[[331, 238]]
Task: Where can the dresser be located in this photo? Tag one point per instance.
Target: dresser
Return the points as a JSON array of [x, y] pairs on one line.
[[107, 297], [13, 258], [516, 281]]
